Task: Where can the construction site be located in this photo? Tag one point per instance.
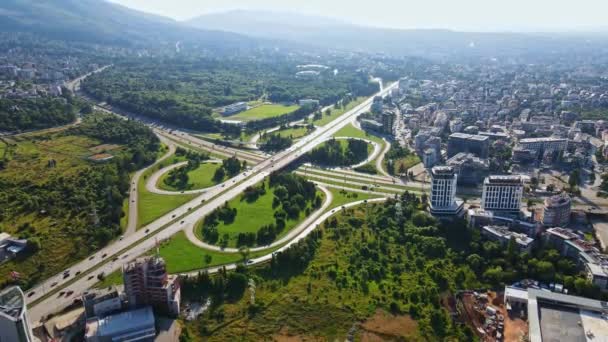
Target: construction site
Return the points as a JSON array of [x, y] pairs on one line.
[[486, 314]]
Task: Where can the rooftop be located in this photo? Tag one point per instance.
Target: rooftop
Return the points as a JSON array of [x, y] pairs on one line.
[[120, 323], [469, 136], [504, 179], [12, 302]]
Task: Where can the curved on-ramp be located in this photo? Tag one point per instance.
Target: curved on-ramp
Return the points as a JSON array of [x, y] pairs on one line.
[[152, 182], [307, 229], [189, 230], [133, 194]]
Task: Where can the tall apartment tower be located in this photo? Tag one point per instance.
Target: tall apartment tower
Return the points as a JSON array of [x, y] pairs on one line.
[[502, 193], [14, 323], [557, 210], [147, 283], [443, 192]]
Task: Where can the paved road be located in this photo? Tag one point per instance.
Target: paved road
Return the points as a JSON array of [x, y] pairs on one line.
[[134, 194], [152, 181], [189, 140], [357, 190], [188, 214], [341, 174], [380, 160], [290, 235], [345, 182]]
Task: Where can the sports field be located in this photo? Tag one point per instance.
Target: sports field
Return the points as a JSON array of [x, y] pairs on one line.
[[263, 112]]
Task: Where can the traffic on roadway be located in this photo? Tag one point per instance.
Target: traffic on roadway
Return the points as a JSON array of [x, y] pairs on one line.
[[45, 298]]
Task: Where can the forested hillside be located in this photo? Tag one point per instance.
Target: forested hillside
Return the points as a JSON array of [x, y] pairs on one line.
[[43, 112], [184, 91]]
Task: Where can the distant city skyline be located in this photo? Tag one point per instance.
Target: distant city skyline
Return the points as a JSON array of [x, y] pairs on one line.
[[462, 15]]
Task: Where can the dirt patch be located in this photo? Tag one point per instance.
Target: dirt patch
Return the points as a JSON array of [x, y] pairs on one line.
[[384, 326], [103, 148]]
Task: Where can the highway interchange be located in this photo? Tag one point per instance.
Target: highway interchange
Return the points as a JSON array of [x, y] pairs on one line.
[[44, 299]]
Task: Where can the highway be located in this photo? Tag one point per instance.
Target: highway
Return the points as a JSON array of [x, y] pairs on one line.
[[43, 299]]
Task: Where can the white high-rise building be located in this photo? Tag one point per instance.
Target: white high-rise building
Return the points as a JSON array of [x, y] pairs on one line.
[[502, 193], [14, 324], [443, 192]]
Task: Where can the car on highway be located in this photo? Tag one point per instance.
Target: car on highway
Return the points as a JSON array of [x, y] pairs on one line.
[[31, 294], [54, 284], [104, 255], [69, 293], [147, 230]]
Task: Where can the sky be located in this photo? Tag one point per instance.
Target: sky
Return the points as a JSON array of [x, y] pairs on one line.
[[464, 15]]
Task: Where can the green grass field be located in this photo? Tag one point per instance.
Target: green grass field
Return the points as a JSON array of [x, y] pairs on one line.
[[200, 178], [352, 131], [152, 206], [337, 112], [293, 133], [341, 197], [407, 162], [250, 218], [263, 112]]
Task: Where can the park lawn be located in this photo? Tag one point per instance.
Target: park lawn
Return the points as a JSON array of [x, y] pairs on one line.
[[354, 132], [293, 133], [114, 278], [335, 113], [181, 255], [152, 206], [342, 197], [200, 178], [407, 162], [251, 217], [264, 111]]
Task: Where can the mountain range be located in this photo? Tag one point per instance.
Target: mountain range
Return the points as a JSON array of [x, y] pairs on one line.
[[100, 21], [336, 34]]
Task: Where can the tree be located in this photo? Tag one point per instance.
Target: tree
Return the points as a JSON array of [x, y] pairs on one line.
[[244, 251], [207, 259]]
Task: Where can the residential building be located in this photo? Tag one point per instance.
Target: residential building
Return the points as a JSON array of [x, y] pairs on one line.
[[14, 323], [371, 125], [133, 326], [443, 192], [584, 253], [471, 169], [235, 108], [147, 283], [544, 145], [429, 157], [502, 193], [557, 210], [388, 119], [377, 104], [503, 235], [469, 143], [556, 316]]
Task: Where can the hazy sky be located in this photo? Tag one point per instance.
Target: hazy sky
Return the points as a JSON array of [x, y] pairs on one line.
[[479, 15]]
